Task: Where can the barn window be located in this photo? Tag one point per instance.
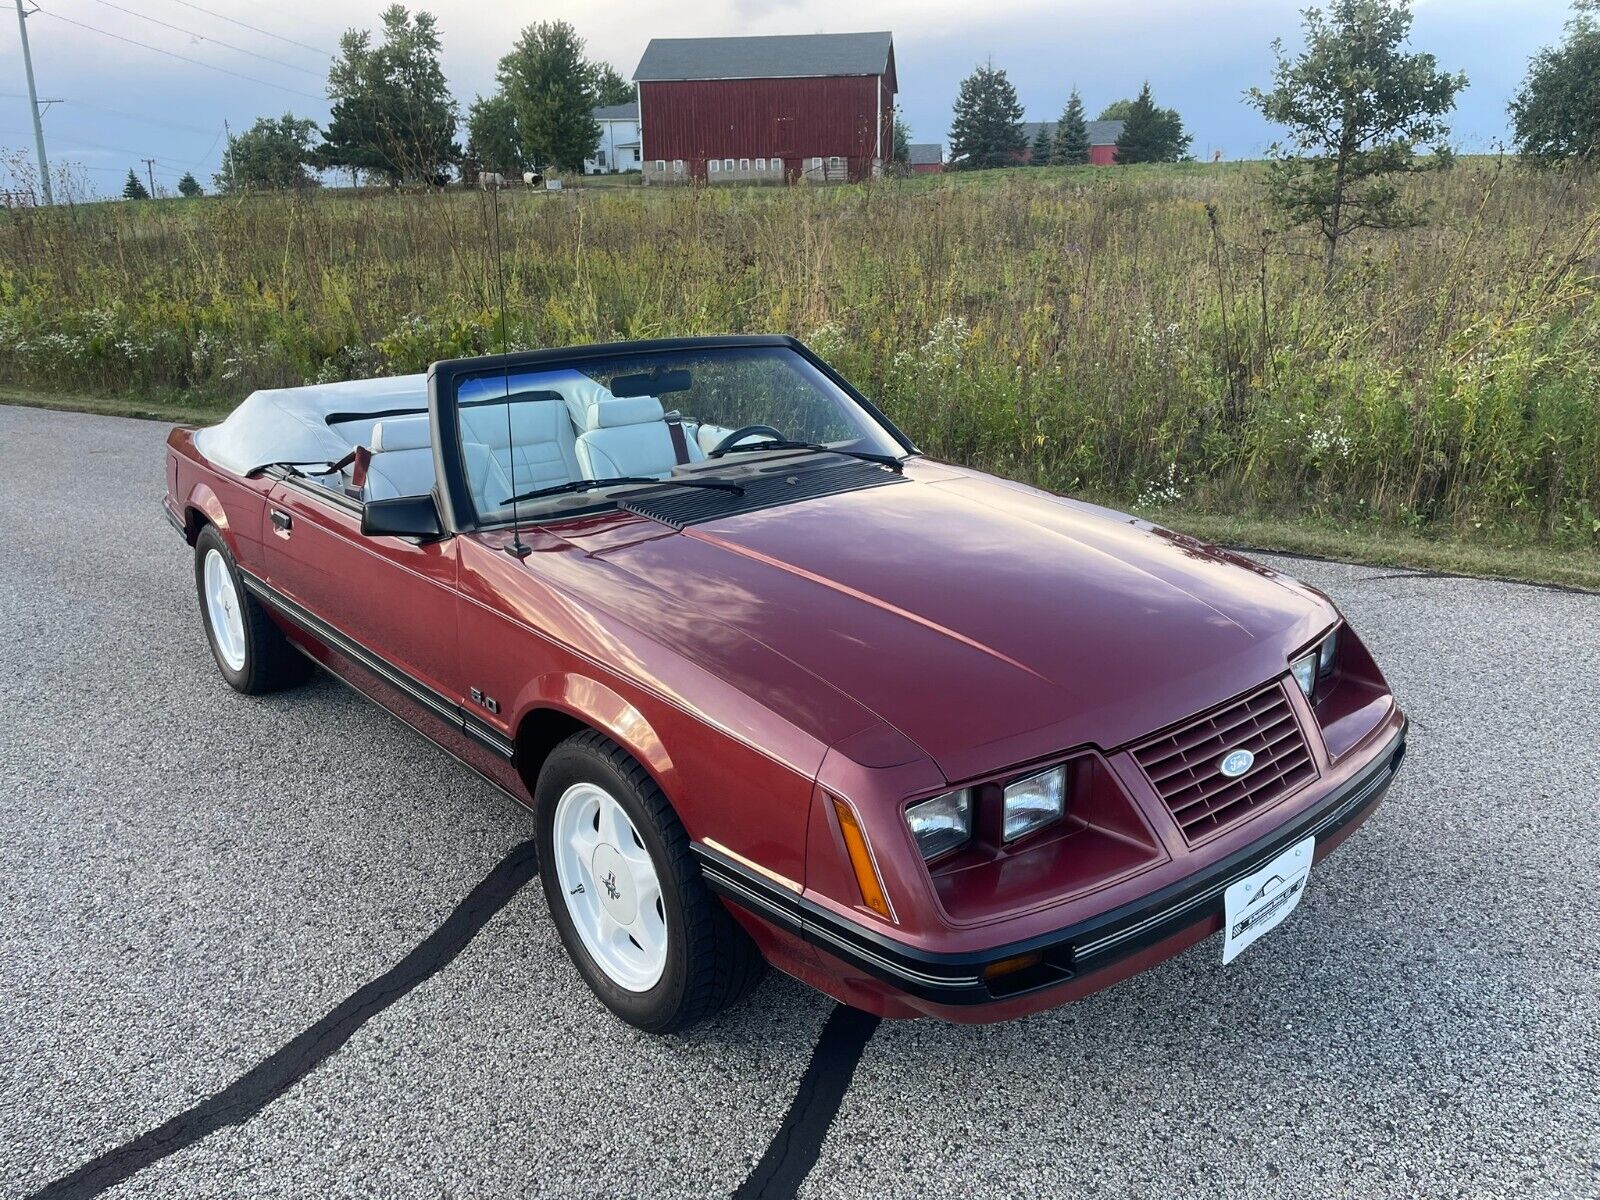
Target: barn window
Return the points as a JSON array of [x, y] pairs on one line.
[[744, 164], [727, 164], [835, 163], [677, 166], [761, 164], [816, 164], [661, 164], [713, 166]]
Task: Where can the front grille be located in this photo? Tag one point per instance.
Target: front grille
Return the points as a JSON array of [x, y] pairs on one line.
[[1184, 765]]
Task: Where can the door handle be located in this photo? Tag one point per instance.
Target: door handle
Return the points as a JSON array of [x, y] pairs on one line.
[[282, 522]]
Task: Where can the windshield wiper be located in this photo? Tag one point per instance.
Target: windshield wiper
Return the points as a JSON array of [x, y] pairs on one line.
[[585, 485], [883, 460]]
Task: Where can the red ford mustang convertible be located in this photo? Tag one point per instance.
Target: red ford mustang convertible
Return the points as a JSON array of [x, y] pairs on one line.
[[777, 688]]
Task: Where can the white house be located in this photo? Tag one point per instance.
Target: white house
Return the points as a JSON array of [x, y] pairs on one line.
[[618, 149]]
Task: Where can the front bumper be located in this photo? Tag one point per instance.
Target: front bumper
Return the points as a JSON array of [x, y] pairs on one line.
[[1075, 959]]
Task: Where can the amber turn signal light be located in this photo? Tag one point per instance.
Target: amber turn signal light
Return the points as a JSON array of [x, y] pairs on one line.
[[855, 844], [1010, 966]]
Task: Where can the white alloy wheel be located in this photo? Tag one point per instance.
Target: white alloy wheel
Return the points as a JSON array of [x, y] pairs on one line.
[[223, 611], [610, 887]]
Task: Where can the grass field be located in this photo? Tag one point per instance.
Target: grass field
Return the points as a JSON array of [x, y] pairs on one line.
[[1143, 336]]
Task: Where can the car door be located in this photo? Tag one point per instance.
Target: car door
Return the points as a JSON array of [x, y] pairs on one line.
[[394, 598]]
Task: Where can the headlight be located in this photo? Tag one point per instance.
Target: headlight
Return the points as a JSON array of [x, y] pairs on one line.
[[942, 823], [1317, 663], [1034, 802]]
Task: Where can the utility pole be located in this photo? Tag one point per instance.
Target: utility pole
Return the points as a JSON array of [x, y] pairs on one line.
[[150, 174], [33, 106]]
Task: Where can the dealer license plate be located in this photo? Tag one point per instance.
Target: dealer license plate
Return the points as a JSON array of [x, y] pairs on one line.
[[1262, 899]]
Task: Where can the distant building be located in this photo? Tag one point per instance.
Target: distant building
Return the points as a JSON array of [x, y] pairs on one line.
[[927, 158], [816, 107], [618, 148], [1103, 137]]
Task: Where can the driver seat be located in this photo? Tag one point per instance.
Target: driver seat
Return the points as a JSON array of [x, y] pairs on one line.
[[628, 435]]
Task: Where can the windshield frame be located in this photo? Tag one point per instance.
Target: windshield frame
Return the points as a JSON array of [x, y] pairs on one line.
[[458, 510]]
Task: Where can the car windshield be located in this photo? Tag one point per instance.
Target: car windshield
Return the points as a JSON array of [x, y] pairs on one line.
[[647, 416]]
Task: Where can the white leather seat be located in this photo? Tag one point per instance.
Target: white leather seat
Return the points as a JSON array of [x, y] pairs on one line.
[[402, 463], [402, 458], [539, 451], [628, 436]]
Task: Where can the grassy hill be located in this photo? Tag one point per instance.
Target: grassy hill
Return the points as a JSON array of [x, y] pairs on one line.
[[1143, 335]]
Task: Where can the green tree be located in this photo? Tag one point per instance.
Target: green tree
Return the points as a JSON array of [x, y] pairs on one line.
[[902, 141], [1556, 114], [1150, 134], [189, 187], [610, 87], [493, 143], [269, 156], [392, 113], [987, 130], [133, 189], [1356, 105], [551, 88], [1117, 110], [1043, 144], [1071, 145]]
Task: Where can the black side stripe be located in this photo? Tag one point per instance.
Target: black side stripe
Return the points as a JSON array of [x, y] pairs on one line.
[[442, 706]]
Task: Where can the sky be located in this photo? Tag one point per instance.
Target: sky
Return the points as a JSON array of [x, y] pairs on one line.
[[235, 60]]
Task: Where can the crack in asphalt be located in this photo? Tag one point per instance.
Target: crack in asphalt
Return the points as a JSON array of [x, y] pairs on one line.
[[276, 1074], [796, 1146]]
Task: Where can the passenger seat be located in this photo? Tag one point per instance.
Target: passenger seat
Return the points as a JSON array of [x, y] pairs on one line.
[[628, 435], [402, 463]]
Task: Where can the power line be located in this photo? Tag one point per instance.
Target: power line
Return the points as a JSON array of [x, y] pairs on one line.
[[254, 29], [214, 41], [115, 112], [180, 57]]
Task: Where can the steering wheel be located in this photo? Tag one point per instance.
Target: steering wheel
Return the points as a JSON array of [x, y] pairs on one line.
[[738, 435]]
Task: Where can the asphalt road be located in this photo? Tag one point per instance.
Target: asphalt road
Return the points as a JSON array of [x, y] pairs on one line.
[[278, 948]]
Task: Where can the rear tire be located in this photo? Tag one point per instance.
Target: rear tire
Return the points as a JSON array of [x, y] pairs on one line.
[[618, 874], [251, 652]]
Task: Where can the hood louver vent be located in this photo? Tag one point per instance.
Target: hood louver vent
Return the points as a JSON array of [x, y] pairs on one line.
[[785, 483]]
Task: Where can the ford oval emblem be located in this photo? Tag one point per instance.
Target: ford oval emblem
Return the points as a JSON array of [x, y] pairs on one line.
[[1236, 762]]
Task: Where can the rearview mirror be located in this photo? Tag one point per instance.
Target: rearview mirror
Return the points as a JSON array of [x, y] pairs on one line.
[[403, 516], [652, 384]]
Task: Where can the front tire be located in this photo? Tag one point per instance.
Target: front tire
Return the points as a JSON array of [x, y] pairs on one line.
[[645, 933], [251, 652]]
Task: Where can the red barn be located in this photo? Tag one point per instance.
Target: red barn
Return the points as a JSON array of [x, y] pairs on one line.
[[1103, 137], [816, 107]]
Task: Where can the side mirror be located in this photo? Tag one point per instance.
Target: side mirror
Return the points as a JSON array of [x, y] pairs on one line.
[[402, 516]]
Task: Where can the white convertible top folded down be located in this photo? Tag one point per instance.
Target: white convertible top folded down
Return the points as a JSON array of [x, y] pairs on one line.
[[291, 424]]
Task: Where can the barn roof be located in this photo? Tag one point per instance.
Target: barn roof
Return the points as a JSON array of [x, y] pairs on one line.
[[923, 153], [1101, 133], [789, 56], [616, 112]]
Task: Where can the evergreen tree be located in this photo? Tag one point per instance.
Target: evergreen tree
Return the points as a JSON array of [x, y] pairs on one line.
[[134, 189], [987, 130], [1071, 147], [902, 141], [1151, 134], [392, 112], [610, 88], [1039, 155], [1356, 105], [1556, 114], [189, 187], [551, 88]]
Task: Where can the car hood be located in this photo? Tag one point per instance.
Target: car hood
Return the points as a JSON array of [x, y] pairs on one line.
[[987, 622]]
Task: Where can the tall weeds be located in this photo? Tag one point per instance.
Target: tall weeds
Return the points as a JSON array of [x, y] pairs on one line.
[[1142, 334]]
